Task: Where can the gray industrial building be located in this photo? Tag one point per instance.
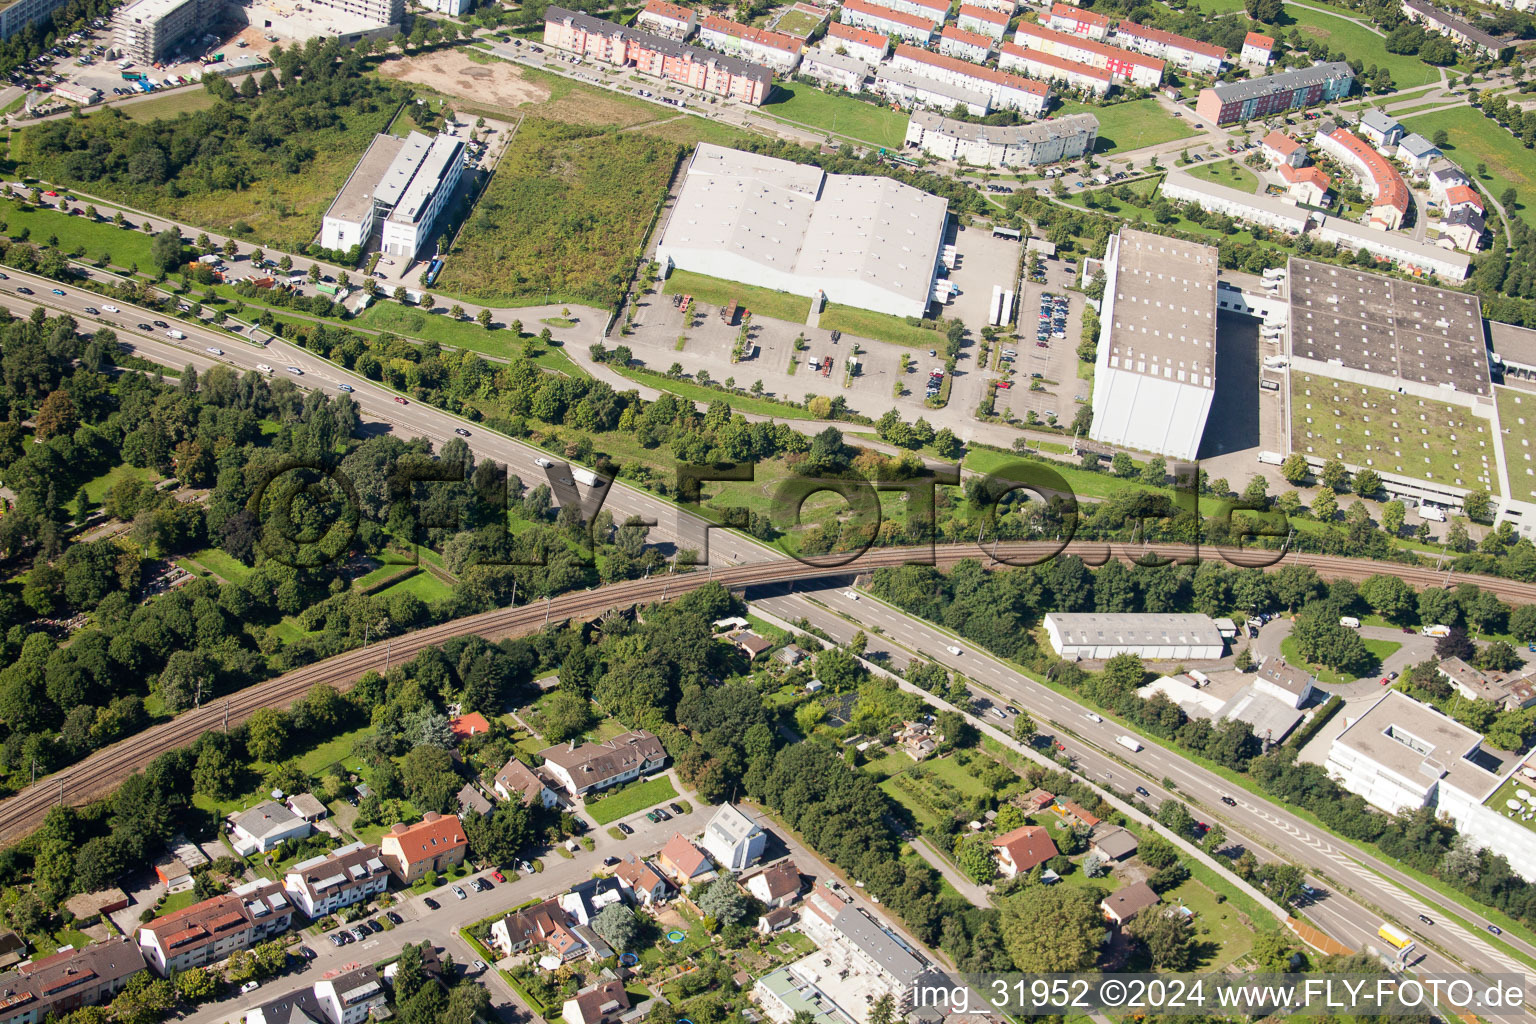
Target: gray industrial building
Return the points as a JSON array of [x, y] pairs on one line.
[[1156, 636]]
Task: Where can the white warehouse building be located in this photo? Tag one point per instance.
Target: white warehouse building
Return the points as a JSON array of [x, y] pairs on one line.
[[861, 241], [1155, 372], [395, 194], [1155, 636]]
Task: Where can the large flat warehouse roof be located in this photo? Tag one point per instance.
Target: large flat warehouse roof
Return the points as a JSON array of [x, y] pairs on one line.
[[1378, 324], [1164, 314]]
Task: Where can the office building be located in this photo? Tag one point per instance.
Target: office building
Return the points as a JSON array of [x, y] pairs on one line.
[[657, 56], [1398, 753], [210, 931], [149, 31], [1025, 145], [1154, 636], [1155, 370], [1229, 102], [396, 194], [1248, 207], [1134, 67], [1382, 183]]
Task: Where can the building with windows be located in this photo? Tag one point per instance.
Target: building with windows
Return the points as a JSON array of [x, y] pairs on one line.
[[52, 987], [1284, 682], [1154, 636], [1078, 21], [1137, 68], [657, 56], [1382, 183], [911, 27], [1180, 51], [858, 43], [1230, 102], [350, 997], [935, 12], [396, 195], [983, 20], [1380, 130], [590, 767], [1022, 850], [1465, 34], [854, 949], [149, 31], [435, 843], [1395, 249], [1418, 154], [1155, 371], [733, 839], [1248, 207], [17, 16], [516, 781], [1444, 176], [263, 827], [210, 931], [543, 926], [667, 19], [348, 874], [775, 49], [1463, 227], [1398, 754], [835, 69], [1003, 90], [1047, 67], [1280, 149], [911, 90], [956, 42], [1257, 50]]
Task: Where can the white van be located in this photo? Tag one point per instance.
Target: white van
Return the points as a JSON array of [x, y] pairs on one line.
[[264, 368]]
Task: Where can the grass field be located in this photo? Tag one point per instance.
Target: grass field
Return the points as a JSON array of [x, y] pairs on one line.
[[1387, 431], [218, 562], [1498, 802], [1517, 432], [631, 799], [563, 218], [78, 234], [797, 23], [1477, 140], [704, 395], [866, 323], [1132, 125], [1360, 43], [411, 322], [714, 291], [424, 585], [1225, 172], [97, 489], [1381, 650], [840, 115], [183, 101]]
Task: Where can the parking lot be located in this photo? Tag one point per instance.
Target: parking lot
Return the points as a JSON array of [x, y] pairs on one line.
[[1055, 360]]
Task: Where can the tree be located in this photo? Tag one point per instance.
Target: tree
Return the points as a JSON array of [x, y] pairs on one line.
[[883, 1011], [1267, 11], [165, 249], [484, 318], [723, 900], [1051, 929], [1168, 937], [1155, 472], [1478, 506], [973, 852], [196, 985], [1295, 469], [56, 416], [566, 715], [1442, 138], [1509, 199], [1455, 644], [1367, 483], [267, 734], [1335, 476], [1325, 506], [427, 773], [1392, 516], [617, 925], [1244, 660], [1024, 728]]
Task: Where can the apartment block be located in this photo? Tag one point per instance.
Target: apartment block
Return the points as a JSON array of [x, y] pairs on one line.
[[22, 13], [983, 21], [435, 843], [150, 30], [1180, 51], [956, 42], [1005, 91], [1137, 68], [1049, 68], [1382, 183], [351, 997], [54, 986], [1025, 145], [775, 49], [1230, 102], [589, 767], [349, 874], [208, 932], [655, 55], [912, 28], [1257, 50]]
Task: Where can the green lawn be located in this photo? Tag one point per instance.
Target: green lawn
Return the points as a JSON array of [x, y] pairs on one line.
[[1475, 140], [412, 322], [1131, 125], [797, 23], [1225, 172], [714, 291], [182, 101], [839, 115], [1517, 432], [1224, 936], [78, 234], [704, 395], [222, 564], [1417, 437], [1380, 650], [866, 323], [631, 799], [1498, 802], [424, 585], [1360, 43], [97, 489]]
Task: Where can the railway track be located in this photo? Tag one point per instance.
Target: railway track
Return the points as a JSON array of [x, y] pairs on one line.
[[101, 773]]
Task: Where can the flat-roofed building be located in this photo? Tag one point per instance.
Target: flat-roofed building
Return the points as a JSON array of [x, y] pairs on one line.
[[862, 44], [775, 49], [1025, 145], [149, 31], [395, 195], [1181, 51], [1078, 21], [1051, 68], [1228, 102], [210, 931], [1257, 50], [667, 19], [870, 242], [1155, 372], [657, 56], [1137, 68], [1513, 348], [17, 16], [1248, 207], [911, 27], [348, 874], [912, 90], [1399, 752], [1155, 636], [983, 20], [1378, 331], [1382, 183], [1395, 248], [1005, 91], [971, 46], [853, 945]]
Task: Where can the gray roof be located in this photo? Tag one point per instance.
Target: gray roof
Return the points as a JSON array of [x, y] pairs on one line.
[[356, 198], [1166, 339], [445, 152], [1383, 243], [661, 44], [1513, 343], [833, 59], [1451, 21], [960, 94], [299, 1007], [1377, 119], [1269, 718], [267, 818], [893, 957], [1416, 742], [1284, 81], [1288, 677], [1007, 135], [1465, 215], [1417, 145], [1267, 205], [1137, 629]]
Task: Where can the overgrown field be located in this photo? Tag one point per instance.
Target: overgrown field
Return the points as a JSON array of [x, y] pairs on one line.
[[563, 219]]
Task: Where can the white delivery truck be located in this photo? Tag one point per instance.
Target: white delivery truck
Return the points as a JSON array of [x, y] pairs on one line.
[[584, 476], [1434, 513], [264, 368], [1133, 745], [175, 334], [1271, 458], [1350, 622], [212, 259]]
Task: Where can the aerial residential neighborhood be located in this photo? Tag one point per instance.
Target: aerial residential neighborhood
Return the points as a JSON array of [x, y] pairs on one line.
[[521, 513]]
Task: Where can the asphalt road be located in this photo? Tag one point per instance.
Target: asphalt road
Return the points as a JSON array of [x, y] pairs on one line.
[[1376, 884]]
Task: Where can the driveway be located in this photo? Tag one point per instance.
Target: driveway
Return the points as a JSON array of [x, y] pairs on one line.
[[1414, 648]]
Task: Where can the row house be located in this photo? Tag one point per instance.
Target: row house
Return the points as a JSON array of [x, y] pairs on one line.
[[350, 874], [516, 781], [1281, 149], [983, 21], [1444, 176], [658, 56], [982, 145], [775, 49], [1462, 33], [208, 932], [1382, 183], [1307, 185], [956, 42], [858, 43], [861, 14], [666, 19], [1078, 22], [1136, 68], [590, 767], [1008, 7], [935, 12], [1180, 51], [435, 843], [1049, 68], [351, 997], [834, 69], [56, 985], [909, 89], [1254, 98], [1004, 91]]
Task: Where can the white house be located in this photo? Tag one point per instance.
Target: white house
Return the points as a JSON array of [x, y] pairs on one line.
[[347, 875], [1257, 50], [263, 827], [349, 998], [589, 767], [733, 840], [1417, 153]]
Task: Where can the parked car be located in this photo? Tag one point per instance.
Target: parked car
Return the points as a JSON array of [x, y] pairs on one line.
[[498, 875], [394, 918], [626, 829], [431, 903], [460, 893], [675, 808]]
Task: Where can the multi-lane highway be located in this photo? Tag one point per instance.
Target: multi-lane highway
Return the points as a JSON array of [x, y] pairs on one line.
[[1260, 823]]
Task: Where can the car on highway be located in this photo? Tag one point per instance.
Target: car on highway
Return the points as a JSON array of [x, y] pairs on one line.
[[58, 291], [626, 829], [92, 311], [1092, 717], [1426, 920], [211, 350], [952, 649], [23, 290], [431, 903], [111, 309], [1012, 710], [162, 324], [461, 431], [295, 371], [459, 894], [345, 387], [401, 401], [1228, 800], [1141, 791], [542, 463], [1495, 929]]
